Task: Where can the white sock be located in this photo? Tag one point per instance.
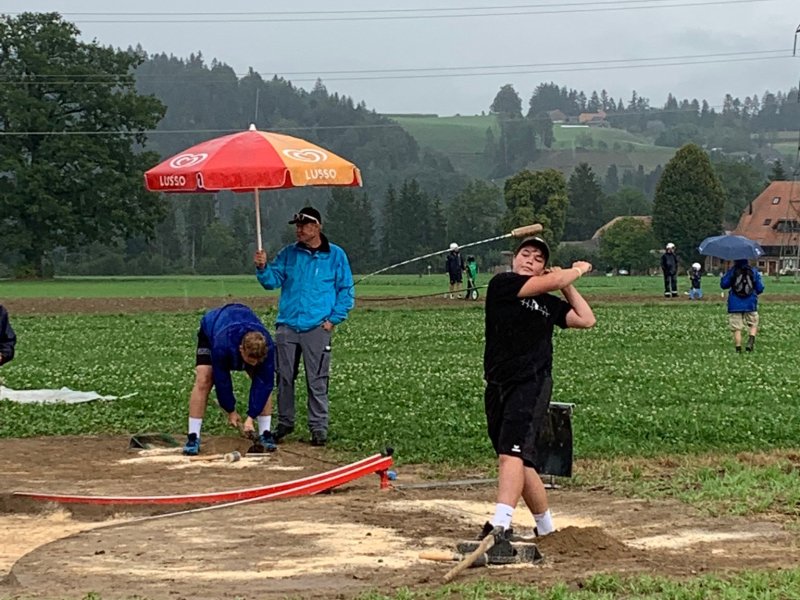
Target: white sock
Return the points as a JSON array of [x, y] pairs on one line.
[[195, 425], [264, 423], [544, 523], [502, 516]]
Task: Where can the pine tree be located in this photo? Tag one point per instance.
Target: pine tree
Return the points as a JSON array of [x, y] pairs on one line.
[[689, 201], [585, 212], [777, 173]]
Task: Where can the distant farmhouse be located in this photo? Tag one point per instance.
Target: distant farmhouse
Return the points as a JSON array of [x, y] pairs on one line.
[[596, 119], [556, 116], [773, 220]]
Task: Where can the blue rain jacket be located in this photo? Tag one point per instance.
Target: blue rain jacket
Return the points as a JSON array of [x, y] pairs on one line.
[[735, 303], [225, 327], [315, 285]]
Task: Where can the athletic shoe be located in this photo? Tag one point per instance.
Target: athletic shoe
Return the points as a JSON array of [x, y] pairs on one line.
[[319, 437], [507, 534], [281, 431], [192, 447], [267, 440]]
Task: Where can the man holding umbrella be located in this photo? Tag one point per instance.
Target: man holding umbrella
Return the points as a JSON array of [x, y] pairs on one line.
[[743, 281], [316, 295], [744, 285]]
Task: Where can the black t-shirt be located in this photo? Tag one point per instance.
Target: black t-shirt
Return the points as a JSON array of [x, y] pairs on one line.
[[519, 331]]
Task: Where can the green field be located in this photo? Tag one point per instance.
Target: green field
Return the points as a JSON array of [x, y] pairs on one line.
[[463, 140], [648, 379], [652, 381], [378, 286]]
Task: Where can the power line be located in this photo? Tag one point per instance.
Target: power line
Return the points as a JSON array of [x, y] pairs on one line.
[[591, 66], [350, 11], [167, 20], [96, 77]]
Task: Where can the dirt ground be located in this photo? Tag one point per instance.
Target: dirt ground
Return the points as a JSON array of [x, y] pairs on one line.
[[333, 545]]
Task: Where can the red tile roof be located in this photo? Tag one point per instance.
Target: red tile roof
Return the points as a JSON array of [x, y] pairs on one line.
[[766, 216]]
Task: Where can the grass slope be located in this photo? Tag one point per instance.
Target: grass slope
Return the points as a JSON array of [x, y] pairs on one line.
[[463, 140]]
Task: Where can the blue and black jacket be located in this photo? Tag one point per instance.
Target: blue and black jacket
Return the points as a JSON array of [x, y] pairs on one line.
[[224, 328], [737, 304], [316, 285]]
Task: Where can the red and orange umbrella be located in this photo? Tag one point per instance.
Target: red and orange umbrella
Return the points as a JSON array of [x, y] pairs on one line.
[[250, 161]]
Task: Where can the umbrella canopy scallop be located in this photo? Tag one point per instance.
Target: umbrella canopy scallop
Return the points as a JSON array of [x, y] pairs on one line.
[[251, 160], [730, 247]]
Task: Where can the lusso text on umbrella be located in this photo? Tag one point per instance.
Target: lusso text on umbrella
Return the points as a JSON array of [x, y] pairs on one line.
[[320, 174], [171, 180]]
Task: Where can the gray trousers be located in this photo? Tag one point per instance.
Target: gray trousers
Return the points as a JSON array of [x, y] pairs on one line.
[[315, 348]]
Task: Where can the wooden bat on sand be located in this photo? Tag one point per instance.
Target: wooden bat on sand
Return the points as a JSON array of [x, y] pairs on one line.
[[485, 545]]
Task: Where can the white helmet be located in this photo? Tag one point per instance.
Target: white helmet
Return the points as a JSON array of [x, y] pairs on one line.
[[453, 246], [670, 246], [696, 266]]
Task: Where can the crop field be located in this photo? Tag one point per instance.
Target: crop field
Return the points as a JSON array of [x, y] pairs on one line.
[[382, 286], [646, 380], [664, 409]]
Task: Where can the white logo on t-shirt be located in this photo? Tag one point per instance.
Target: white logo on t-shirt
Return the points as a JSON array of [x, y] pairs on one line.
[[533, 305]]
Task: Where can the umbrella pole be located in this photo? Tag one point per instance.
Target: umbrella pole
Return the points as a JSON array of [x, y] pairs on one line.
[[258, 220]]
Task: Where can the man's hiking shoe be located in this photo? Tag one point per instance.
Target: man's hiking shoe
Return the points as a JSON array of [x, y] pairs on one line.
[[192, 447], [267, 440], [281, 431], [319, 437]]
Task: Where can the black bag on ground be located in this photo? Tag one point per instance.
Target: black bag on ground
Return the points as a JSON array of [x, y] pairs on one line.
[[743, 281]]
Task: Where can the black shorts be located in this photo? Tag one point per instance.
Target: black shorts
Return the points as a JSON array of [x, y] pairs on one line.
[[515, 415], [455, 278], [203, 354]]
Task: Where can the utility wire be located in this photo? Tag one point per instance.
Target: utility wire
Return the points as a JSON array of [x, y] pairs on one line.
[[544, 71], [159, 20], [350, 11], [745, 53]]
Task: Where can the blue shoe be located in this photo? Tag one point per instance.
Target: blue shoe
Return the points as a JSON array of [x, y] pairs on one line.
[[267, 440], [192, 447]]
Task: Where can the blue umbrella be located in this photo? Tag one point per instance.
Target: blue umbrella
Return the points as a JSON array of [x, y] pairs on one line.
[[730, 247]]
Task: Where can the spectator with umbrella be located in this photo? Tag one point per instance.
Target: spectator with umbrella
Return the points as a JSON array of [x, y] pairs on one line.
[[743, 282]]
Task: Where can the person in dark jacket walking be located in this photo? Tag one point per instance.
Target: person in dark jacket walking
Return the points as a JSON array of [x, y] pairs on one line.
[[745, 285], [316, 295], [8, 339], [669, 267], [232, 338], [454, 265]]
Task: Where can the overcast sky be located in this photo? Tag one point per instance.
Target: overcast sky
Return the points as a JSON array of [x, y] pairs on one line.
[[304, 46]]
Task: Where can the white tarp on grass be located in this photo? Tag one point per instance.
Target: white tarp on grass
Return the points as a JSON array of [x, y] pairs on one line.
[[64, 395]]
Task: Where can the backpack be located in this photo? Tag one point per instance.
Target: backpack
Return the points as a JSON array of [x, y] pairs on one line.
[[743, 282]]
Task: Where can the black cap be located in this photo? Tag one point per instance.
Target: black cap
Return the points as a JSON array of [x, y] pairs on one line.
[[306, 215], [538, 242]]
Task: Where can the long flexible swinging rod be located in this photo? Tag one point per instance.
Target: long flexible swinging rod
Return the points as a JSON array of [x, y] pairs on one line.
[[519, 232]]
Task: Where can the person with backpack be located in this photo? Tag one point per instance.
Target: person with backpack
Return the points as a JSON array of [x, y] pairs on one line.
[[745, 285]]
